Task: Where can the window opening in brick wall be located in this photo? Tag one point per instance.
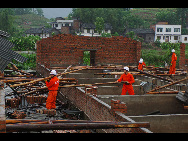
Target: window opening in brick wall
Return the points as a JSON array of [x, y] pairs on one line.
[[86, 58], [92, 58], [89, 58]]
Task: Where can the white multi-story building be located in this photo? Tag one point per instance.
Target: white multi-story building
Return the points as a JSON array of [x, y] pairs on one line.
[[61, 23], [168, 33], [184, 38]]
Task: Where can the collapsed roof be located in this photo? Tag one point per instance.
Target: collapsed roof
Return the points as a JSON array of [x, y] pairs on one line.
[[6, 54]]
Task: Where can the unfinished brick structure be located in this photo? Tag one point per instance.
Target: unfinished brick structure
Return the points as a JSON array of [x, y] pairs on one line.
[[66, 49], [183, 62]]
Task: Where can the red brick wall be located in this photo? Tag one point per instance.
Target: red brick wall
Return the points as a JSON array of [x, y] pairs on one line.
[[66, 49]]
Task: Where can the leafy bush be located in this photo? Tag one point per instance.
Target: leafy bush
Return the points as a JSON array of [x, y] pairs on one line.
[[29, 64], [24, 43], [106, 35], [170, 46]]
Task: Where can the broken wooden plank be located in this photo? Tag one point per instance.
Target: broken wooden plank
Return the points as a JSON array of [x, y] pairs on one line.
[[164, 92], [160, 87]]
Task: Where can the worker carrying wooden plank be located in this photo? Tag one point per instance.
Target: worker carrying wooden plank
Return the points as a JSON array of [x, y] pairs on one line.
[[52, 85], [127, 79], [173, 63]]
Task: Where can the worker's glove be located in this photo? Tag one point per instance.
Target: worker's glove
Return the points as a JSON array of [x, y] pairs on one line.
[[46, 80]]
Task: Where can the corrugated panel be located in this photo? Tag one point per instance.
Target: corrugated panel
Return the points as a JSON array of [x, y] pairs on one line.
[[3, 33], [3, 63], [5, 51], [6, 54], [19, 58]]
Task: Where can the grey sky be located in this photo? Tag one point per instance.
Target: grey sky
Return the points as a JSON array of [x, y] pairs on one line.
[[56, 12]]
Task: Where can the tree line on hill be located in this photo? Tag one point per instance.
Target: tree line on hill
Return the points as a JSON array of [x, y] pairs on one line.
[[7, 16], [119, 18], [122, 18]]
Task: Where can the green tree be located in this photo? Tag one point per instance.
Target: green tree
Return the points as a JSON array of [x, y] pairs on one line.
[[39, 11], [167, 16], [182, 14], [6, 21], [99, 24], [24, 43]]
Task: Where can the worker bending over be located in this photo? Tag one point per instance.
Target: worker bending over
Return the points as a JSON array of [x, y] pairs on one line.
[[141, 64], [127, 79], [173, 63], [52, 85]]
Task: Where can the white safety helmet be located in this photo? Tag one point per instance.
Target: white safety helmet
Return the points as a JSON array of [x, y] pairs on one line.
[[53, 72], [126, 68], [141, 60], [173, 50]]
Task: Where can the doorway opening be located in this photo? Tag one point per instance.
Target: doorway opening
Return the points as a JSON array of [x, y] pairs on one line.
[[89, 58]]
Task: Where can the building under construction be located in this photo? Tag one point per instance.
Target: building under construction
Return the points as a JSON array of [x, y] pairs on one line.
[[89, 100]]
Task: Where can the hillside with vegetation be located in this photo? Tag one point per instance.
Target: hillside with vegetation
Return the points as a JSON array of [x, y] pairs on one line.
[[123, 18], [27, 21], [16, 20], [149, 14]]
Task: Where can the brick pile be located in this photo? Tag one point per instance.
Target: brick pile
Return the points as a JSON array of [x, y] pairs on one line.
[[117, 105], [36, 99], [13, 102], [66, 49], [18, 115], [49, 112]]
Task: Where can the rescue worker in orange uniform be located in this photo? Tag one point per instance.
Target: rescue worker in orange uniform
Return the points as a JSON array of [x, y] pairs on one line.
[[128, 79], [52, 85], [173, 63], [141, 64]]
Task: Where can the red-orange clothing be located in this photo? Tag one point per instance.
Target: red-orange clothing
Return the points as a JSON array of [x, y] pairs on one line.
[[52, 87], [173, 64], [127, 87], [141, 66], [51, 100], [144, 64]]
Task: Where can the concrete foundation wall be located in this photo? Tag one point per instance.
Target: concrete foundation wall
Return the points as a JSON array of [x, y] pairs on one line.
[[97, 110], [177, 123], [143, 104]]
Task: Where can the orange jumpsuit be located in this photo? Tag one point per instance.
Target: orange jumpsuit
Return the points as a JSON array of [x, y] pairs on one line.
[[173, 64], [53, 88], [127, 87], [140, 66]]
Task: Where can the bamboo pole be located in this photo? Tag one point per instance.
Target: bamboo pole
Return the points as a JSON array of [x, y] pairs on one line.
[[73, 126], [15, 121], [46, 78], [154, 75]]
